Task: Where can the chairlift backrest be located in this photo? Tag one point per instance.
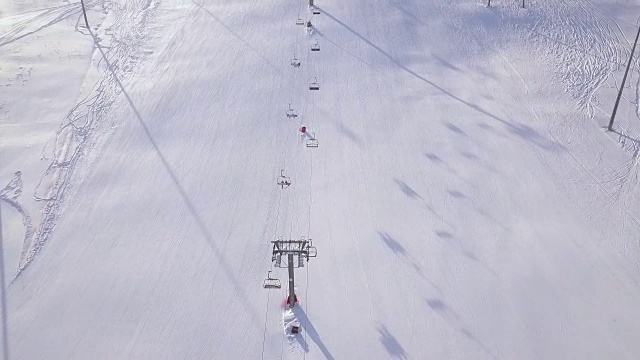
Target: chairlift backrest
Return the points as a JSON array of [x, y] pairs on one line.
[[314, 85], [271, 282], [313, 251]]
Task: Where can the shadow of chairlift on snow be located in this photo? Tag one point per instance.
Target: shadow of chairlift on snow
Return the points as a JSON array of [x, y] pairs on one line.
[[283, 181], [312, 142], [291, 114], [295, 62], [315, 46]]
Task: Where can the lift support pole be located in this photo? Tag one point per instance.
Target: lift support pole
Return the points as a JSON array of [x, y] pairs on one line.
[[624, 78], [297, 251], [292, 295]]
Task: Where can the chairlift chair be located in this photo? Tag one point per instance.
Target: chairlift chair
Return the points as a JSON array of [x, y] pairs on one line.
[[312, 142], [316, 46], [315, 11], [314, 85], [291, 113], [271, 282], [299, 20], [283, 181], [313, 251]]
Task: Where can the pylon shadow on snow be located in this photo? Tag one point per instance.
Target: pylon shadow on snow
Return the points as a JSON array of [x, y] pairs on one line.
[[521, 130], [180, 189], [310, 330], [242, 40]]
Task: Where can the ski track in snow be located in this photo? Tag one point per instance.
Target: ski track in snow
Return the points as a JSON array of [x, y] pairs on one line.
[[384, 272], [82, 129], [34, 21], [10, 194], [597, 50]]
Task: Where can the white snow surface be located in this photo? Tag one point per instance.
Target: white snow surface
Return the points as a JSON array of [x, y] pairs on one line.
[[465, 200]]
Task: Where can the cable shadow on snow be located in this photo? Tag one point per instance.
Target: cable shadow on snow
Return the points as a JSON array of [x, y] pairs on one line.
[[181, 191], [523, 131], [242, 40], [308, 327]]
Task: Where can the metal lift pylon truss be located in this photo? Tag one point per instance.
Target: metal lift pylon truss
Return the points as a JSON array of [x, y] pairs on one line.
[[295, 252]]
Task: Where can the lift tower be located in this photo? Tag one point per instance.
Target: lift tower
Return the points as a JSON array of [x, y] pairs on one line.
[[296, 252]]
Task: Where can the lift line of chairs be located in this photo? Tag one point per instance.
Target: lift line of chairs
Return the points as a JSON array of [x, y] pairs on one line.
[[285, 181]]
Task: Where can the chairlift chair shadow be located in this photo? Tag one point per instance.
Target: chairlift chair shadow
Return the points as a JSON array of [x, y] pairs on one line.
[[295, 62], [315, 11], [291, 113], [283, 181], [299, 20], [312, 142]]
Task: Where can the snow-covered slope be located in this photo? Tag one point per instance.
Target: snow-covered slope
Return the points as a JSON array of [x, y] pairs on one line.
[[464, 201]]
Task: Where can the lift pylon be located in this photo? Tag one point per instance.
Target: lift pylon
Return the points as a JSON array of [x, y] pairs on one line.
[[296, 252]]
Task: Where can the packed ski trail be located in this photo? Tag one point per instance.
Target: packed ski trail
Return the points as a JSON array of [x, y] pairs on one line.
[[463, 198]]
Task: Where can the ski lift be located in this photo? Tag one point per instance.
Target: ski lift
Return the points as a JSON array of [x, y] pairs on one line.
[[283, 181], [295, 62], [271, 282], [299, 20], [313, 252], [291, 113], [314, 85], [312, 142], [315, 11], [316, 46]]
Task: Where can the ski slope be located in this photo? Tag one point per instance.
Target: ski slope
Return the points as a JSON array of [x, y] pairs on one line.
[[464, 200]]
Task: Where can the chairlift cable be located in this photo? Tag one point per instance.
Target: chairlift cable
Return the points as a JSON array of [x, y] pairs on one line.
[[266, 317]]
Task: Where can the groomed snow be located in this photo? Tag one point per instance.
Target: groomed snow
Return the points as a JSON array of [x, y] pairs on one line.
[[464, 199]]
